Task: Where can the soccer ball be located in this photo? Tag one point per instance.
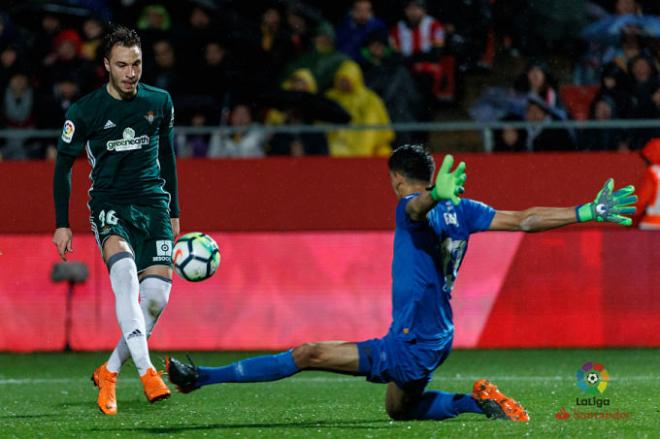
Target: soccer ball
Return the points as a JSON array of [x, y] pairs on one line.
[[196, 256], [592, 378]]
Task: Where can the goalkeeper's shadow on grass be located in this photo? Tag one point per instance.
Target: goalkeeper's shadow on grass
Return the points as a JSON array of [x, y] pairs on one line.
[[360, 424]]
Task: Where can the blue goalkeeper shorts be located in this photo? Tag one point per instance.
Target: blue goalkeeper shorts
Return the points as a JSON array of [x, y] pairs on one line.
[[407, 363]]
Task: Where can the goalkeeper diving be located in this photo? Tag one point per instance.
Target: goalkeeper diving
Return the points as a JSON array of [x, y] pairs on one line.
[[433, 226]]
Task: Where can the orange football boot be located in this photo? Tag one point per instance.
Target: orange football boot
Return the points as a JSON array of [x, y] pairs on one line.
[[106, 381], [154, 387], [497, 405]]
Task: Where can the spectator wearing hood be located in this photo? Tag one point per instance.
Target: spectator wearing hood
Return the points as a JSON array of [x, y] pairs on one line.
[[359, 23], [365, 108], [323, 60], [296, 144], [648, 190]]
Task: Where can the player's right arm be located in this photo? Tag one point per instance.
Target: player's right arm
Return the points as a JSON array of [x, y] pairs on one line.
[[69, 146], [609, 206]]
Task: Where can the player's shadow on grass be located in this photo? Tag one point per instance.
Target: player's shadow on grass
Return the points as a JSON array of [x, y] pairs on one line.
[[352, 424]]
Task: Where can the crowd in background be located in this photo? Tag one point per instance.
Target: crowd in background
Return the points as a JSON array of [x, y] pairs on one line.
[[243, 64]]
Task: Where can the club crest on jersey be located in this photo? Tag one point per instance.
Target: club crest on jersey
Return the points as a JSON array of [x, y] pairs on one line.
[[450, 218], [150, 116], [67, 131], [129, 142]]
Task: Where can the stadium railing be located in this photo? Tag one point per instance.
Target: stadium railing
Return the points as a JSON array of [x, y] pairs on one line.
[[486, 129]]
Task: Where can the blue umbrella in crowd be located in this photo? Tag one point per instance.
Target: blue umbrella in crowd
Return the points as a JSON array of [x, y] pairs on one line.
[[607, 30]]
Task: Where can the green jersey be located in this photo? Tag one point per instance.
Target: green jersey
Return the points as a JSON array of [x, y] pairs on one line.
[[129, 145]]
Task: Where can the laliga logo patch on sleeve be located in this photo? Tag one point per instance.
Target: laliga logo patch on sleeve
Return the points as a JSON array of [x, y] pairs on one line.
[[67, 131]]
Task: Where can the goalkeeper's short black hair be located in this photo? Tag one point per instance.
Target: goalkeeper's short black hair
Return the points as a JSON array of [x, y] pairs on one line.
[[414, 162], [121, 35]]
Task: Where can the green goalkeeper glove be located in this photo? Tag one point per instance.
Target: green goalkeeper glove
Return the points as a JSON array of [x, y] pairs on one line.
[[609, 206], [449, 185]]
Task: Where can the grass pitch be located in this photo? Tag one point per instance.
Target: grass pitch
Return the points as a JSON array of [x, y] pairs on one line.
[[50, 395]]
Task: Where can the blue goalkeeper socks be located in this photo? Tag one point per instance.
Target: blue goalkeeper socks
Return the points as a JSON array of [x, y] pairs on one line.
[[442, 405], [251, 370]]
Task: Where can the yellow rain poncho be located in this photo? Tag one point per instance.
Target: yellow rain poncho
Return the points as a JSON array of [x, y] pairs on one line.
[[365, 108]]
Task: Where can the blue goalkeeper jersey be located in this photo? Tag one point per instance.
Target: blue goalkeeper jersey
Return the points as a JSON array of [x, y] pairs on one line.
[[427, 256]]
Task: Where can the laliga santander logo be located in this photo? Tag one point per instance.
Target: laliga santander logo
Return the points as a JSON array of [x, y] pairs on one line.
[[592, 378]]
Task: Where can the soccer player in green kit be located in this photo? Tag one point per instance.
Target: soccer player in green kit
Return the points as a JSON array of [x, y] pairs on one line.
[[126, 129]]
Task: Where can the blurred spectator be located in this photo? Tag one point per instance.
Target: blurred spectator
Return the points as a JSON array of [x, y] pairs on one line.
[[50, 112], [154, 25], [296, 144], [195, 145], [42, 46], [420, 38], [510, 139], [53, 106], [18, 112], [7, 34], [92, 33], [613, 37], [18, 102], [645, 89], [323, 60], [385, 73], [606, 139], [275, 45], [537, 81], [536, 28], [163, 70], [9, 64], [66, 61], [212, 77], [631, 46], [469, 31], [200, 31], [359, 23], [545, 139], [365, 108], [247, 142], [300, 19], [648, 190], [615, 83]]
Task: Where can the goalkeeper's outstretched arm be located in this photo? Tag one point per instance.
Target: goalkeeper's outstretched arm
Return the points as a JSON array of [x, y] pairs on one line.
[[609, 206]]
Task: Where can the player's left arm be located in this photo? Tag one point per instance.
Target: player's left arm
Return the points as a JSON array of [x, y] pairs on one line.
[[167, 158], [609, 206], [448, 186]]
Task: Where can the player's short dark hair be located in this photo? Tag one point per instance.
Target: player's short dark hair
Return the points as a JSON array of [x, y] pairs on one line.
[[414, 162], [121, 35]]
